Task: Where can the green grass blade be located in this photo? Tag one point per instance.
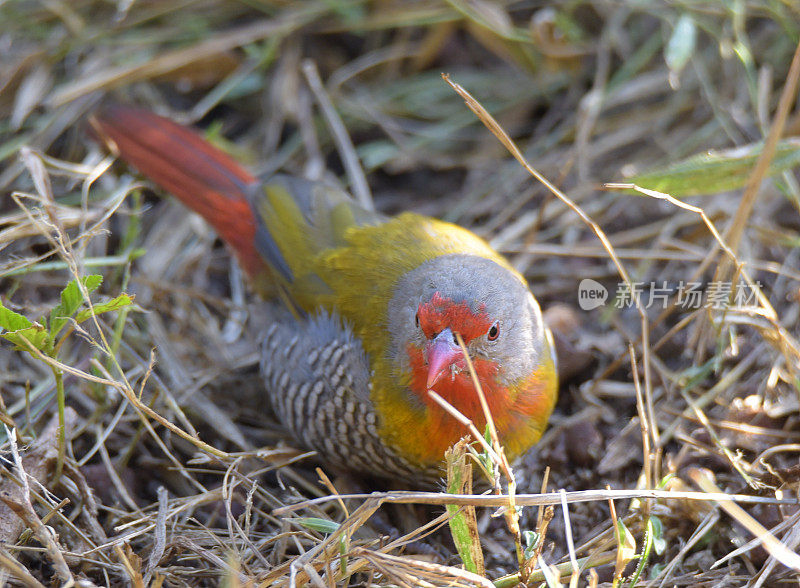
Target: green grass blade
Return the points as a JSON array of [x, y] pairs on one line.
[[717, 171]]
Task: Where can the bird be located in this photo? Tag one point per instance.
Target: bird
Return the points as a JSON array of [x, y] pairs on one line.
[[375, 305]]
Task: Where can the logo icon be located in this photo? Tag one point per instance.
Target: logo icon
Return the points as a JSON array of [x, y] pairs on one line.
[[591, 294]]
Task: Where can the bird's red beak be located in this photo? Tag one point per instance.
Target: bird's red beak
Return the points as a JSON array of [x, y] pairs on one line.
[[442, 352]]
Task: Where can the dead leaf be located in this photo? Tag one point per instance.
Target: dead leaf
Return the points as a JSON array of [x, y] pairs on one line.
[[38, 461]]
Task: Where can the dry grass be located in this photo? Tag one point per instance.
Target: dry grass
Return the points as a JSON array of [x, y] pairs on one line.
[[173, 472]]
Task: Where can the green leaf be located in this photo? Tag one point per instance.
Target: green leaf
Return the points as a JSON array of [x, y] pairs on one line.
[[657, 529], [692, 376], [717, 171], [486, 459], [19, 328], [653, 535], [681, 46], [120, 301], [490, 16], [466, 542], [531, 539], [35, 333], [463, 521], [71, 300], [12, 321], [627, 544], [317, 524]]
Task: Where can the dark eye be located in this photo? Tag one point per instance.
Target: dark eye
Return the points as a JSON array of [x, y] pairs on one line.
[[416, 319], [494, 332]]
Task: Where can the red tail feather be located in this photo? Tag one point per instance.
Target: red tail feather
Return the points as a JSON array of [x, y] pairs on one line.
[[183, 163]]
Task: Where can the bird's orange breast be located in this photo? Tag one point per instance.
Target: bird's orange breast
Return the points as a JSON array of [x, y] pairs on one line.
[[520, 411]]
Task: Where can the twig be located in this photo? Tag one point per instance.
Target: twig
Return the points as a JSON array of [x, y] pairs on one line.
[[495, 501], [358, 181], [775, 548]]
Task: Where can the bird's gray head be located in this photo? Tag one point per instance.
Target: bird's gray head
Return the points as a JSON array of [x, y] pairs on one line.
[[488, 305]]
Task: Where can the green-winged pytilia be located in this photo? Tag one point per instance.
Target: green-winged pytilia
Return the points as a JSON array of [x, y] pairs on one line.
[[377, 303]]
